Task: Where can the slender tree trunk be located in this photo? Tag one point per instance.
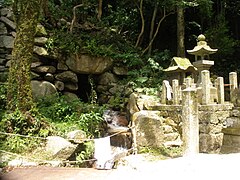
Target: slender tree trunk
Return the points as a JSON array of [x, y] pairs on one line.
[[143, 24], [99, 15], [19, 93], [157, 29], [152, 27], [180, 32]]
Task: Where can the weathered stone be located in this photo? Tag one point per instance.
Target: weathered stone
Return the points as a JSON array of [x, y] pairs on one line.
[[42, 88], [36, 64], [8, 63], [40, 41], [49, 77], [67, 76], [40, 51], [4, 11], [8, 22], [59, 147], [231, 144], [41, 31], [2, 61], [77, 136], [6, 42], [86, 64], [13, 33], [44, 69], [35, 76], [71, 86], [3, 29], [148, 127], [8, 57], [210, 128], [210, 143], [3, 76], [107, 78], [132, 104], [71, 96], [2, 68], [61, 66], [59, 85], [120, 71], [171, 136], [233, 122], [167, 129], [102, 88], [235, 112]]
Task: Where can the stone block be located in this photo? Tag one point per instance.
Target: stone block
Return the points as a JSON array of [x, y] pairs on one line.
[[210, 143], [6, 42]]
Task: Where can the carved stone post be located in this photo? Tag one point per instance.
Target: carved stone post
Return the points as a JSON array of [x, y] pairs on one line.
[[233, 84], [190, 124], [205, 77], [175, 87], [164, 94], [220, 90]]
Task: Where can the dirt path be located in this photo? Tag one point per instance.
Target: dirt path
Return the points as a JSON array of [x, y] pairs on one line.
[[202, 166]]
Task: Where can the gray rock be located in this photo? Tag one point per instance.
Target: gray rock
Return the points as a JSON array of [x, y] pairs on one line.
[[120, 70], [41, 31], [36, 64], [61, 66], [107, 78], [35, 75], [59, 85], [3, 28], [5, 11], [44, 69], [8, 22], [2, 61], [42, 88], [149, 130], [6, 42], [8, 57], [8, 63], [40, 51], [40, 41], [86, 64], [71, 86], [70, 96], [77, 136], [67, 76], [2, 68], [59, 147]]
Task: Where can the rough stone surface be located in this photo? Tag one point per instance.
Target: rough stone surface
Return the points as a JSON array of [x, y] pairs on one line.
[[77, 136], [42, 88], [71, 86], [59, 147], [3, 29], [45, 69], [71, 96], [40, 41], [85, 64], [40, 51], [8, 22], [41, 31], [107, 78], [67, 76], [210, 143], [6, 42]]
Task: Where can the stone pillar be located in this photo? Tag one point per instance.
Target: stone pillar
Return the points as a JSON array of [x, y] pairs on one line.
[[220, 90], [164, 93], [175, 87], [190, 124], [188, 82], [233, 84], [205, 77]]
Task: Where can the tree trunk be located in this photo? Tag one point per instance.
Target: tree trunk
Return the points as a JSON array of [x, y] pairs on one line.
[[143, 24], [180, 32], [99, 15], [152, 27], [19, 93]]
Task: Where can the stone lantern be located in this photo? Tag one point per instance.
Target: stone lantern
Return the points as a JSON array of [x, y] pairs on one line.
[[202, 52]]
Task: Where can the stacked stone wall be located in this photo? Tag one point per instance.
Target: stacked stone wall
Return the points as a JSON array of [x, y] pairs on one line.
[[72, 74]]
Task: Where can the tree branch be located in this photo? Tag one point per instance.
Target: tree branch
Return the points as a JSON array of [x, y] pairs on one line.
[[74, 16]]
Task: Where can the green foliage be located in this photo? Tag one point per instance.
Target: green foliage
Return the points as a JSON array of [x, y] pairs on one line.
[[66, 116], [162, 152], [3, 96]]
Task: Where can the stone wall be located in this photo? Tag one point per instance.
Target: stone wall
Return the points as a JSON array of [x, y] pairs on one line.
[[161, 125], [75, 75]]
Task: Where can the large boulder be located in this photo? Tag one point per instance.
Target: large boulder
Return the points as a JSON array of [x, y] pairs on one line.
[[86, 64], [67, 76], [60, 148], [42, 88]]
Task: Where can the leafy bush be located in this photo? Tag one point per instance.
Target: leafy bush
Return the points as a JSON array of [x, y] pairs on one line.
[[66, 116]]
